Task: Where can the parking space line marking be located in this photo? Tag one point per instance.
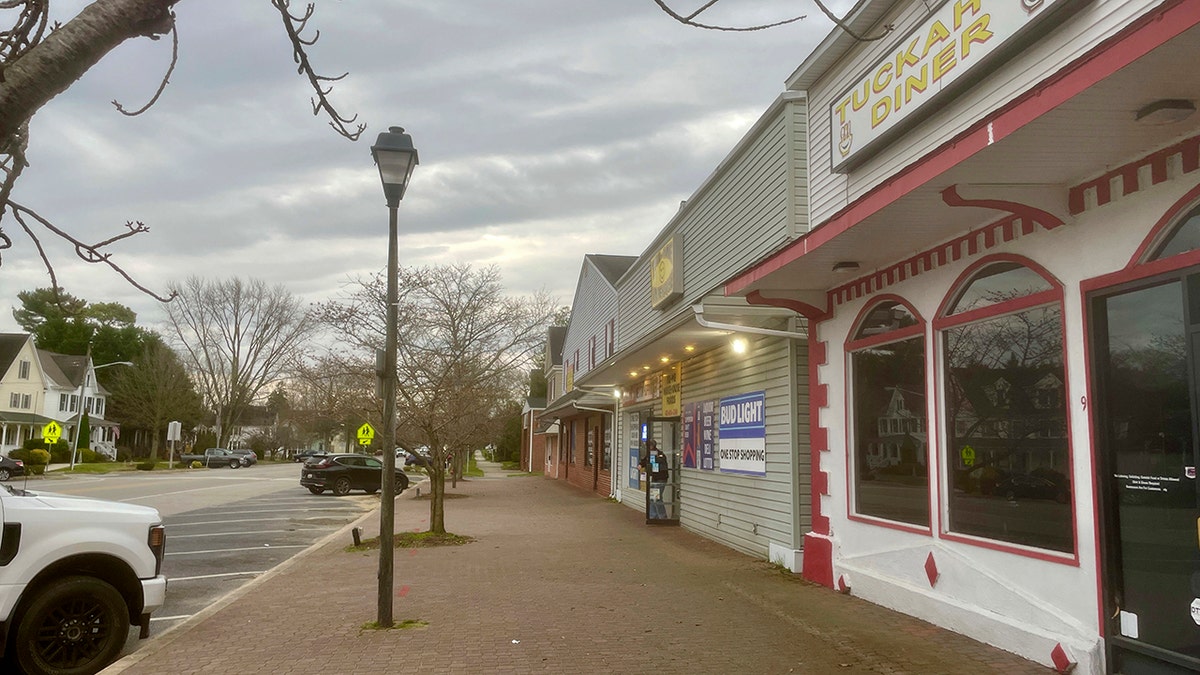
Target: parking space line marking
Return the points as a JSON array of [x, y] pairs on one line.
[[232, 550], [171, 523], [226, 534], [216, 576], [170, 618]]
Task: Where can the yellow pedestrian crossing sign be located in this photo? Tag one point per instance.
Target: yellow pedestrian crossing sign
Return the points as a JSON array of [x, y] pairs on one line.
[[52, 432], [365, 434]]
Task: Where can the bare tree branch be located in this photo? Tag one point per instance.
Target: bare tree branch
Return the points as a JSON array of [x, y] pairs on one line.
[[295, 25], [166, 78], [689, 20], [89, 253]]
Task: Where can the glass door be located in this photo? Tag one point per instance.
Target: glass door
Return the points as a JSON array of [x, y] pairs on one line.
[[1147, 341], [665, 431]]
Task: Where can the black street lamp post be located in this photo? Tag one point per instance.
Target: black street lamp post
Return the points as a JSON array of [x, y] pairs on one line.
[[395, 155]]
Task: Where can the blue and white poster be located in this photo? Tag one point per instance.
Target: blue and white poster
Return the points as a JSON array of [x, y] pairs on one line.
[[742, 441]]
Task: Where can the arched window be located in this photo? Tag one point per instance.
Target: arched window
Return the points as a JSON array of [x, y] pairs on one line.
[[1004, 399], [889, 453], [1184, 237]]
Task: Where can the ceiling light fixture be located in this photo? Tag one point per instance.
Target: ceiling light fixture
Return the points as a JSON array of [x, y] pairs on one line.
[[845, 266], [739, 345], [690, 348], [1165, 111]]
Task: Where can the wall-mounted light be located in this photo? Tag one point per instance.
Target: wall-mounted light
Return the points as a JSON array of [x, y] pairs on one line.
[[739, 345], [845, 266], [616, 392], [1165, 111]]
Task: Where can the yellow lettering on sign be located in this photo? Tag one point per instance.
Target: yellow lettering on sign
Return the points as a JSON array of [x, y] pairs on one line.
[[977, 32]]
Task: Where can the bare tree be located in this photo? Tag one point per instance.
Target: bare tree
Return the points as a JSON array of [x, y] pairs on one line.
[[463, 350], [39, 61], [153, 392], [333, 393], [237, 337]]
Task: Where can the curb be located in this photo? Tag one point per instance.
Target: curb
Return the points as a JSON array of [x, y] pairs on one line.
[[169, 636]]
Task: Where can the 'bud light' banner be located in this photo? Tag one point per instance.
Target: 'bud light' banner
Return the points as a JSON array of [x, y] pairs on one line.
[[743, 434]]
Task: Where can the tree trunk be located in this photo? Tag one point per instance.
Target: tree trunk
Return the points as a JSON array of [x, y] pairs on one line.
[[437, 497], [68, 52]]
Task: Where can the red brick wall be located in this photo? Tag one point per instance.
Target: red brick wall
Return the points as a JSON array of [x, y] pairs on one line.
[[592, 478]]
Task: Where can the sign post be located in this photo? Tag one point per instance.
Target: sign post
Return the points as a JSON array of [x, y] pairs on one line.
[[174, 432]]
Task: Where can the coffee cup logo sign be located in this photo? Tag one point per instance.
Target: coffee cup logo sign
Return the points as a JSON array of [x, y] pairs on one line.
[[1196, 611]]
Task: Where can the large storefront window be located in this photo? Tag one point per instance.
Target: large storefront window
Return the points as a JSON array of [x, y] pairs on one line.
[[890, 442], [1007, 451]]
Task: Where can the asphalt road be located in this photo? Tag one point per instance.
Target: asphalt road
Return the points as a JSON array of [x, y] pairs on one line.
[[224, 526]]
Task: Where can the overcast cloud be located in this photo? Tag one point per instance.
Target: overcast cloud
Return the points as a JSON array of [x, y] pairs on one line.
[[547, 130]]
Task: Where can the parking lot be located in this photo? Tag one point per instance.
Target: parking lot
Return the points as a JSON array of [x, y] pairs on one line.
[[224, 527], [213, 550]]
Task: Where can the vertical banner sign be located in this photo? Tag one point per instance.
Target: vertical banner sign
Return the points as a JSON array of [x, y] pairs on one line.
[[690, 429], [635, 443], [707, 431], [671, 390], [743, 443]]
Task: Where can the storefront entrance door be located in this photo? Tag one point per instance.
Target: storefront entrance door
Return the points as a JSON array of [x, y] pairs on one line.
[[1147, 369], [665, 430]]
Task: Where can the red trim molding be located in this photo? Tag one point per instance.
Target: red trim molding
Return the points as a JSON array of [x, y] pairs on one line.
[[967, 245], [1128, 176], [1046, 219]]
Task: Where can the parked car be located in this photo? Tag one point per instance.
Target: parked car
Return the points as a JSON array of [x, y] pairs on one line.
[[11, 468], [305, 455], [345, 472], [249, 458], [413, 457], [214, 457], [1030, 486], [76, 573]]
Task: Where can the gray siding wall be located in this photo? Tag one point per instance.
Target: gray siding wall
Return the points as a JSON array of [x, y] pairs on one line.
[[748, 513], [594, 307], [831, 192], [743, 212]]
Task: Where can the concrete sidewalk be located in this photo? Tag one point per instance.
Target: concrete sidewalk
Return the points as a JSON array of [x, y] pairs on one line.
[[558, 581]]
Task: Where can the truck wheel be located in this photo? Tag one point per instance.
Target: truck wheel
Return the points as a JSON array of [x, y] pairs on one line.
[[341, 486], [73, 626], [235, 464], [315, 490]]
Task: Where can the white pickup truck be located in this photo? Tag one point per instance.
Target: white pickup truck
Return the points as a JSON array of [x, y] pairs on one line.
[[75, 573]]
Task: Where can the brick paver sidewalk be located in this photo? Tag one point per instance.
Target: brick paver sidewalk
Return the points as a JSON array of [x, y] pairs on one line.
[[558, 581]]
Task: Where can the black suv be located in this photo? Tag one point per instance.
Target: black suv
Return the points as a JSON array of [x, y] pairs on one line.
[[343, 473]]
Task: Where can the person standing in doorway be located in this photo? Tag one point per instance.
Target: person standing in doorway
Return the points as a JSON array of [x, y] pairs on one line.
[[655, 464]]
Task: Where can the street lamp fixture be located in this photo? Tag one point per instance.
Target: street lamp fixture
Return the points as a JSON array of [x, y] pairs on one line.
[[82, 384], [395, 156]]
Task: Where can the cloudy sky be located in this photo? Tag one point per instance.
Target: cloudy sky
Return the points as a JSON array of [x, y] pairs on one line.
[[547, 129]]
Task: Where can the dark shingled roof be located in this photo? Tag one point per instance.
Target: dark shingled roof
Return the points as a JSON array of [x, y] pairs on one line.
[[10, 346], [556, 336]]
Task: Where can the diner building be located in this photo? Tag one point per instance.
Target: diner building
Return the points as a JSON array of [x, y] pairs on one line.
[[1001, 280]]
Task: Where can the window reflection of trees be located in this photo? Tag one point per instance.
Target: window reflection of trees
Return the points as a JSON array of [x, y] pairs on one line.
[[890, 440], [1149, 409], [1006, 420]]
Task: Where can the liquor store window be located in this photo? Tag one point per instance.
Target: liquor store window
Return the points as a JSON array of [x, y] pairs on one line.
[[1007, 452], [889, 435]]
